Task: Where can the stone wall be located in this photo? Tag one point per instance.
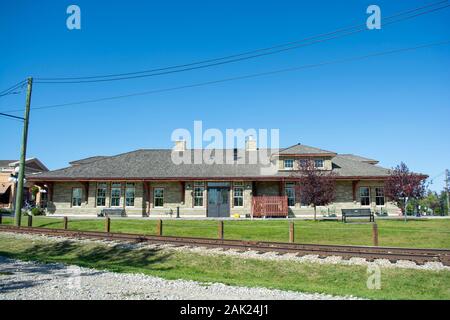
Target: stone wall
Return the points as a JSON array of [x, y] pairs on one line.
[[344, 200], [175, 197], [62, 199]]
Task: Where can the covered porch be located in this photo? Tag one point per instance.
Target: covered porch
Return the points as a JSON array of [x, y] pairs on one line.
[[270, 199]]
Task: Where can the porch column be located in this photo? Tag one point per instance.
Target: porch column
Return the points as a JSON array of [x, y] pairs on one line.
[[281, 188], [11, 195], [86, 191], [50, 191], [254, 189], [150, 199], [183, 189], [354, 184]]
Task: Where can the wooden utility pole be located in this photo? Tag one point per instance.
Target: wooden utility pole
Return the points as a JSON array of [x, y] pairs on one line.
[[23, 153], [447, 177]]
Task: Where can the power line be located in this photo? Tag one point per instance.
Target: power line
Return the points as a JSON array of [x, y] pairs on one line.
[[14, 87], [11, 116], [308, 66], [241, 56], [9, 93], [13, 92], [437, 176]]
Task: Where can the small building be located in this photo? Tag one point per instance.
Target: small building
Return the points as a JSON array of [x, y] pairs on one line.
[[153, 182], [7, 187]]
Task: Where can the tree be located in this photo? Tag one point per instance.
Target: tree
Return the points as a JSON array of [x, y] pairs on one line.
[[403, 185], [444, 203], [432, 202], [317, 186]]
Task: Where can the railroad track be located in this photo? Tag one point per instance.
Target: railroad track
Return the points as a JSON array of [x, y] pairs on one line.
[[393, 254]]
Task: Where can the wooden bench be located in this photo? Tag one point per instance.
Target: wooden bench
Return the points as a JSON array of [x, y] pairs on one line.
[[109, 212], [357, 213]]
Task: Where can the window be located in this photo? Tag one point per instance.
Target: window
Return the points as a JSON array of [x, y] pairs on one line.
[[238, 194], [77, 193], [101, 194], [379, 196], [288, 164], [115, 194], [199, 188], [158, 196], [318, 163], [130, 191], [290, 193], [364, 194]]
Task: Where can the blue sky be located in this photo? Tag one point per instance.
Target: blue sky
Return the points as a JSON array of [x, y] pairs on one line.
[[393, 108]]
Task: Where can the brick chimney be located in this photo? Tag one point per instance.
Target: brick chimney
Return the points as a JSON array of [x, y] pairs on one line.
[[250, 144], [180, 145]]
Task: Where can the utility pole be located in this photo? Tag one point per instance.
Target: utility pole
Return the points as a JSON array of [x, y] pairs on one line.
[[23, 153], [447, 177]]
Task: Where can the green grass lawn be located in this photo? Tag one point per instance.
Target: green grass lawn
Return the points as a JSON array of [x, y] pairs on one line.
[[420, 234], [284, 275]]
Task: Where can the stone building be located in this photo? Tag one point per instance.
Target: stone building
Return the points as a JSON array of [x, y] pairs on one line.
[[155, 182]]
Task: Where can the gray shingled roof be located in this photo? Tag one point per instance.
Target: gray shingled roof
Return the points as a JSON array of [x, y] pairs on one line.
[[150, 164], [158, 164], [87, 160], [5, 163], [358, 158], [344, 166], [304, 149]]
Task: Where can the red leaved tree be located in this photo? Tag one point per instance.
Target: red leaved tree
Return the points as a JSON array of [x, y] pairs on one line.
[[403, 184], [317, 187]]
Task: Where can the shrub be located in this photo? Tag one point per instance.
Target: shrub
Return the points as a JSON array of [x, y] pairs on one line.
[[37, 212]]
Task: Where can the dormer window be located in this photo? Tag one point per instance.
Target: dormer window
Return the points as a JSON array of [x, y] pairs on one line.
[[318, 163], [289, 164]]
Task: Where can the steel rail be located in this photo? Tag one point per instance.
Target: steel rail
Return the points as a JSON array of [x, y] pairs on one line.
[[418, 255]]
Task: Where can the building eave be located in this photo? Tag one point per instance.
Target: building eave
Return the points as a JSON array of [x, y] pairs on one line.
[[254, 178], [305, 155]]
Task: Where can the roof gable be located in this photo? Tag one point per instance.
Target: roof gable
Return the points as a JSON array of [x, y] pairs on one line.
[[33, 164]]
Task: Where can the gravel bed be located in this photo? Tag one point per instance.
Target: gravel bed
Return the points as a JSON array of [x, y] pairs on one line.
[[383, 263], [21, 280]]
